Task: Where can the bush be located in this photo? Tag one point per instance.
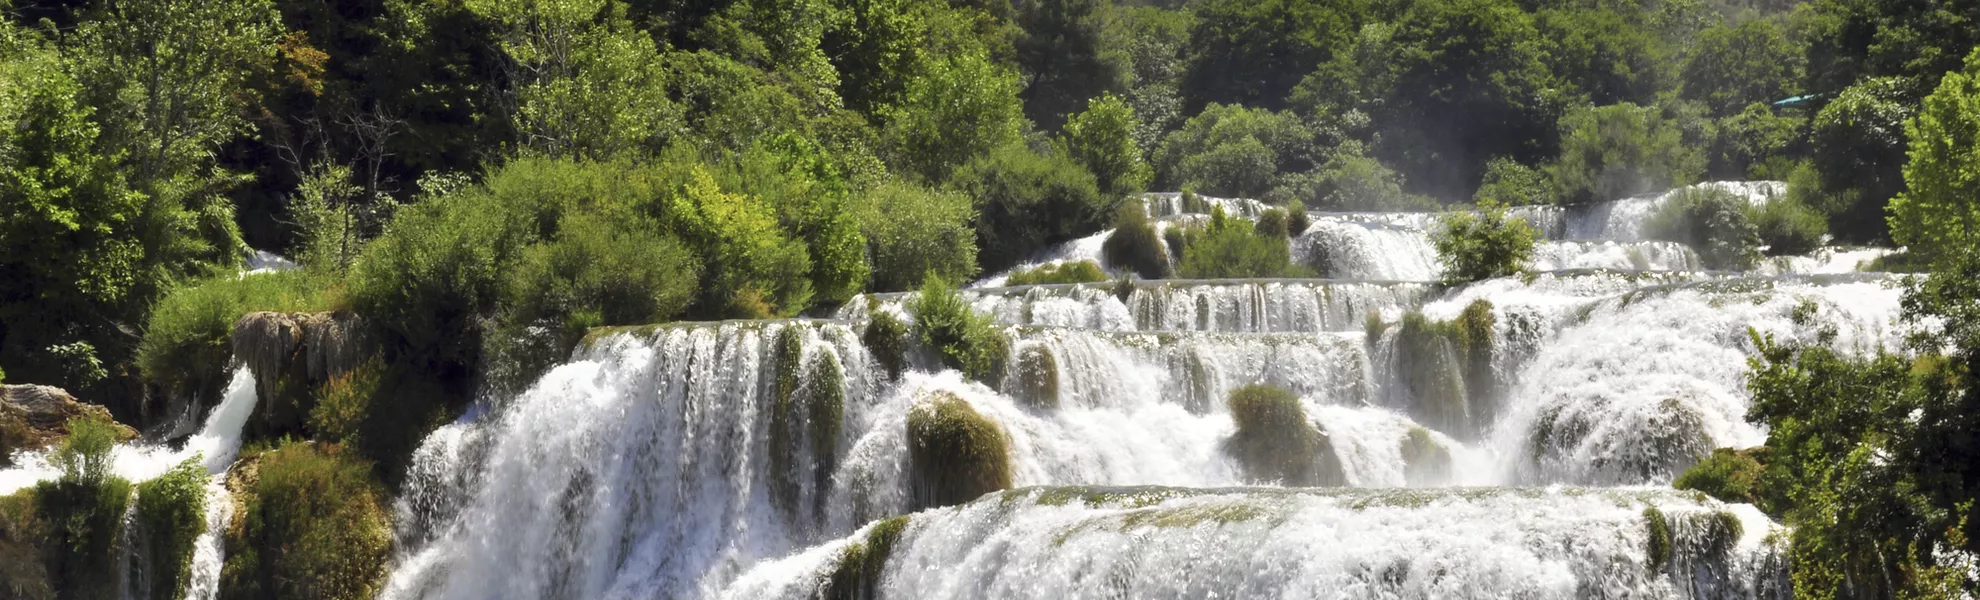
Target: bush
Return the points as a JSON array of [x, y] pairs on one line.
[[22, 572], [957, 455], [752, 264], [83, 511], [171, 511], [1102, 140], [312, 525], [1753, 144], [1729, 475], [1275, 442], [1352, 181], [1074, 271], [1621, 150], [1857, 144], [1231, 150], [1297, 221], [1713, 222], [1510, 183], [964, 107], [1935, 214], [1787, 227], [913, 231], [966, 341], [187, 338], [1027, 201], [1231, 248], [1271, 223], [1482, 244], [343, 403], [1134, 246]]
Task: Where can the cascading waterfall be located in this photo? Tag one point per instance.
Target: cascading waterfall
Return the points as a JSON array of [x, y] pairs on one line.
[[711, 460]]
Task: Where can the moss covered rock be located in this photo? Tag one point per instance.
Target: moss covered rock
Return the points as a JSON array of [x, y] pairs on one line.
[[1729, 475], [808, 412], [37, 417], [1035, 379], [22, 575], [886, 338], [1425, 462], [1659, 539], [1275, 442], [1447, 366], [863, 562], [291, 355], [956, 453], [1134, 245]]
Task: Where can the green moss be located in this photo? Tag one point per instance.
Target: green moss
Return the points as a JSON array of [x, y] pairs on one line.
[[82, 521], [1425, 462], [1076, 271], [863, 562], [1134, 246], [342, 402], [1220, 512], [593, 335], [1272, 223], [171, 511], [1275, 441], [788, 354], [310, 523], [1729, 475], [825, 406], [887, 338], [957, 454], [1037, 376], [1659, 549], [1428, 356]]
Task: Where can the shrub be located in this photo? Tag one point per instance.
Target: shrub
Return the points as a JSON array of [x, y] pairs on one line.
[[1231, 150], [1729, 475], [1620, 150], [1275, 441], [171, 511], [913, 231], [966, 341], [1074, 271], [1026, 201], [1753, 144], [957, 455], [1713, 222], [1482, 244], [344, 402], [1354, 181], [1231, 248], [887, 338], [1787, 227], [1271, 223], [1934, 215], [1659, 539], [1857, 146], [187, 338], [963, 107], [312, 525], [750, 260], [1297, 221], [1134, 246], [83, 510], [1102, 140], [1510, 183]]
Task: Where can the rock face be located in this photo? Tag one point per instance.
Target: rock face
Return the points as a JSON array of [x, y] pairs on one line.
[[291, 354], [35, 417]]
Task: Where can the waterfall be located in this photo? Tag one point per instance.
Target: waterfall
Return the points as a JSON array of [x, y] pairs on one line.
[[1513, 437]]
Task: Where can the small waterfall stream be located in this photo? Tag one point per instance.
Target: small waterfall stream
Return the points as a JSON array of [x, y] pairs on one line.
[[653, 465]]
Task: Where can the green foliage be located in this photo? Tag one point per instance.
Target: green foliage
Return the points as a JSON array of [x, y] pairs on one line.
[[1230, 248], [1659, 541], [1858, 150], [1753, 144], [1067, 60], [1074, 271], [1026, 201], [83, 523], [887, 338], [1852, 40], [965, 340], [1611, 55], [1230, 150], [912, 231], [1732, 66], [1729, 475], [594, 272], [171, 511], [956, 454], [22, 571], [1102, 140], [1787, 227], [312, 525], [85, 456], [342, 404], [1253, 53], [1275, 442], [1616, 151], [1482, 244], [1936, 213], [186, 345], [1134, 246], [963, 107], [749, 258], [1297, 221], [581, 78], [1508, 183], [1352, 181], [1714, 222], [1271, 223]]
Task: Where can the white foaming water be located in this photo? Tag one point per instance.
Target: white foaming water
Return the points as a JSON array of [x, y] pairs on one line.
[[218, 441], [1372, 246], [1289, 305], [1625, 219], [1264, 543], [209, 555]]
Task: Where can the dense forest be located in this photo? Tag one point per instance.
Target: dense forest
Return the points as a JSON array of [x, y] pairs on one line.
[[486, 182]]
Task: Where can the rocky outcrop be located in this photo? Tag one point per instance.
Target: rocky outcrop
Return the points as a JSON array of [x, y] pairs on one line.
[[36, 417], [292, 354]]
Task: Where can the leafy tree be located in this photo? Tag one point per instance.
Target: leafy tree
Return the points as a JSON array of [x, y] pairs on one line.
[[1102, 140], [1230, 150], [1066, 58], [1156, 41], [1611, 57], [1026, 201], [1354, 181], [1512, 184], [963, 107], [581, 78], [1919, 41], [1857, 146], [914, 232], [1612, 152], [1482, 244], [1753, 144], [1713, 222], [1731, 67], [1253, 52], [1939, 211], [1232, 248]]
